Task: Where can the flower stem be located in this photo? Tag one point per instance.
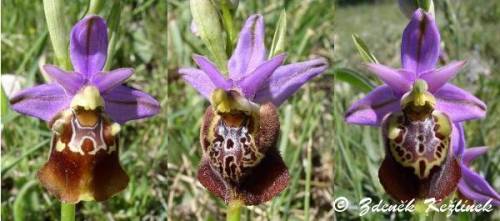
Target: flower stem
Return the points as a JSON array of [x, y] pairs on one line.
[[307, 194], [234, 210], [227, 22], [113, 24], [67, 212], [54, 14], [420, 213], [95, 6]]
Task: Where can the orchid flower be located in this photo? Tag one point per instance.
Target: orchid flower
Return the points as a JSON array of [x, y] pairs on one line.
[[417, 109], [473, 186], [420, 49], [81, 107], [241, 127]]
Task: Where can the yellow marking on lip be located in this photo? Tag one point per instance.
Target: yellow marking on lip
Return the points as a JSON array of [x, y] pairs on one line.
[[115, 129], [60, 146], [393, 130], [86, 196]]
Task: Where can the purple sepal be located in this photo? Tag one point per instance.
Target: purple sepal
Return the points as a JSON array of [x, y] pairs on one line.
[[287, 79], [43, 101], [372, 109], [124, 103], [88, 45], [420, 43], [250, 51]]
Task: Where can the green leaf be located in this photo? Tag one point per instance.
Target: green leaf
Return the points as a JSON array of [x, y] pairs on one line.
[[207, 21], [4, 102], [19, 203], [363, 49], [279, 38], [353, 78]]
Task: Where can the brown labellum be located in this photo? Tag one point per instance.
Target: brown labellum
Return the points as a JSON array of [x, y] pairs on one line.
[[419, 162], [83, 162], [240, 160]]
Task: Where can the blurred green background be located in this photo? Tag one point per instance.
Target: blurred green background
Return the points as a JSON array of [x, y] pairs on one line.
[[326, 157]]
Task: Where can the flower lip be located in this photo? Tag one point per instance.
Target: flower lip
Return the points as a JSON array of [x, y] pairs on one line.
[[83, 162], [240, 160]]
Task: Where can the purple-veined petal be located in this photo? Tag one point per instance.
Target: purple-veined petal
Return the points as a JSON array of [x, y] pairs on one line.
[[472, 153], [43, 101], [458, 140], [250, 51], [437, 78], [106, 81], [251, 83], [70, 81], [199, 80], [88, 45], [475, 187], [399, 82], [211, 71], [124, 103], [287, 79], [459, 104], [420, 43], [371, 109]]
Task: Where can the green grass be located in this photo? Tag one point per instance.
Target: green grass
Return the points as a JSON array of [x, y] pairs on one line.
[[326, 157]]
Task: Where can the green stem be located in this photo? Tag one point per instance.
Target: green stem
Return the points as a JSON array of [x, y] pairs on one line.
[[234, 210], [420, 211], [67, 212], [307, 194], [227, 22], [95, 7], [113, 24], [54, 13], [427, 5]]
